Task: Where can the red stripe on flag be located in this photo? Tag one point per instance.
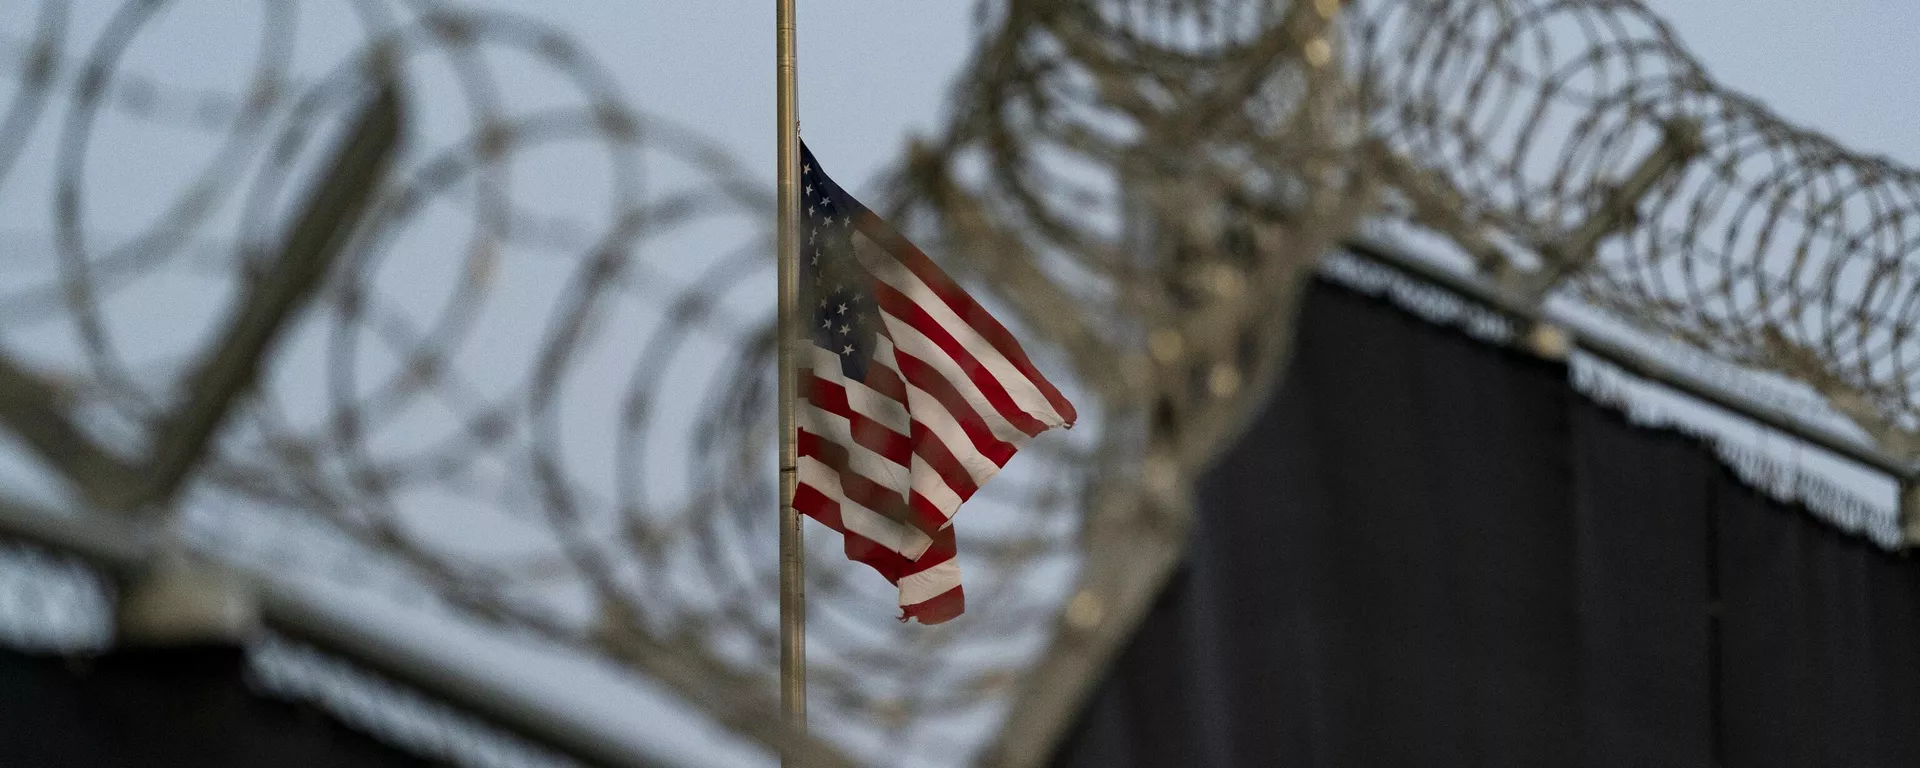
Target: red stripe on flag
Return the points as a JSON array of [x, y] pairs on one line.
[[864, 490], [891, 565], [883, 380], [929, 447], [970, 311], [811, 502], [874, 436], [927, 511], [902, 308], [926, 444], [937, 609], [930, 381], [945, 605]]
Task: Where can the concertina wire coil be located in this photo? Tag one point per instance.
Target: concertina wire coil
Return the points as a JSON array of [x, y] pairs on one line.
[[1144, 185]]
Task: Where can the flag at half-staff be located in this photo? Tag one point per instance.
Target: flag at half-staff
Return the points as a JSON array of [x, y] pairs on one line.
[[910, 396]]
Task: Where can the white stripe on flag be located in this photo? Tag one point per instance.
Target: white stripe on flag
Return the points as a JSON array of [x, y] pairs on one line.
[[931, 486], [912, 342], [930, 583], [860, 459], [890, 271], [874, 526], [932, 415], [860, 397]]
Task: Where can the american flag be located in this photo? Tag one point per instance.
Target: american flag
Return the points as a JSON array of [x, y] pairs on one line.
[[910, 397]]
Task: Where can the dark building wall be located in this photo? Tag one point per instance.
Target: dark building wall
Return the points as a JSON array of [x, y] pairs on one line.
[[172, 707], [1430, 551]]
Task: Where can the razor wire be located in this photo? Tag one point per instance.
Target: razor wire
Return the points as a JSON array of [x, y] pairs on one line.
[[1151, 185], [555, 416], [1512, 127], [1145, 184], [1109, 165], [1772, 246]]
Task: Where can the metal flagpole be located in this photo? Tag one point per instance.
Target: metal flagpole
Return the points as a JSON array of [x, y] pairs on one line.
[[793, 596]]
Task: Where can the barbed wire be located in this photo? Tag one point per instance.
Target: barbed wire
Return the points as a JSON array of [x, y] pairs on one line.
[[553, 409], [552, 414], [1148, 182], [1516, 121], [1150, 185], [1111, 165]]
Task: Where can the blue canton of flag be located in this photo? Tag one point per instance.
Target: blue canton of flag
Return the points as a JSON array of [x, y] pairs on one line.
[[833, 285]]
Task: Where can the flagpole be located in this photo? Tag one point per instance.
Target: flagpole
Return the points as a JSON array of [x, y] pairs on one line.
[[793, 607]]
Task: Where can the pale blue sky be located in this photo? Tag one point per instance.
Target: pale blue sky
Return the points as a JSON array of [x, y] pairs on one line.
[[875, 72]]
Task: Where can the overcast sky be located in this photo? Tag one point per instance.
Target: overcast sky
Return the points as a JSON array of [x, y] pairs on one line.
[[873, 73]]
